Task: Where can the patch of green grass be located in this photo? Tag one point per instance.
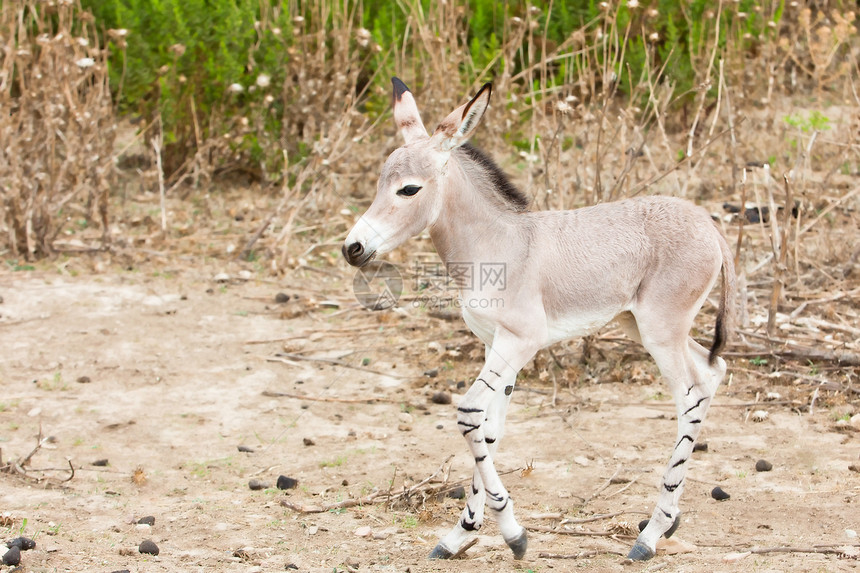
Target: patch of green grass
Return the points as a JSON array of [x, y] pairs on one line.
[[336, 462], [814, 121]]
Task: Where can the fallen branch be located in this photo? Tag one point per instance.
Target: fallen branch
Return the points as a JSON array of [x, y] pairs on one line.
[[286, 358], [272, 394], [580, 555], [462, 551], [368, 499], [575, 533], [820, 549]]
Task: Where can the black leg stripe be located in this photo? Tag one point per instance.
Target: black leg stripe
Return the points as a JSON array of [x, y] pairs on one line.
[[479, 459], [488, 385], [468, 526], [681, 441], [496, 373], [679, 462], [470, 410], [471, 428], [504, 505], [691, 408], [671, 488]]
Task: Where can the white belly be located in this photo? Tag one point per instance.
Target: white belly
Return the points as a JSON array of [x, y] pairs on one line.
[[581, 324]]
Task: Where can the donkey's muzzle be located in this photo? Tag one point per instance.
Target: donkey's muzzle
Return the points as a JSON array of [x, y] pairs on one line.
[[355, 254]]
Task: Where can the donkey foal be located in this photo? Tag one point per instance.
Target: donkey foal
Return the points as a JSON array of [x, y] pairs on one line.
[[648, 263]]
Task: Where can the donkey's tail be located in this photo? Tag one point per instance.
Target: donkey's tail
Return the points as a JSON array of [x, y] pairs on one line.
[[725, 314]]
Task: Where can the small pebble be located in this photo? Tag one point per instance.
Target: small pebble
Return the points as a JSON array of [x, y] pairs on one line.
[[461, 384], [285, 482], [256, 484], [700, 447], [363, 531], [100, 463], [457, 493], [308, 442], [149, 547], [121, 571], [142, 527], [246, 449], [432, 373], [405, 417], [441, 398], [439, 426], [718, 494], [763, 466], [148, 520], [221, 278], [22, 543], [83, 380], [12, 557], [281, 298]]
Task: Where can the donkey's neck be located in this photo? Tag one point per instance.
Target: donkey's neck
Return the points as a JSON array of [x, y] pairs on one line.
[[475, 223]]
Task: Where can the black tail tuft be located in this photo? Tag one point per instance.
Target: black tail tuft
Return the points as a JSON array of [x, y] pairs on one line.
[[719, 339]]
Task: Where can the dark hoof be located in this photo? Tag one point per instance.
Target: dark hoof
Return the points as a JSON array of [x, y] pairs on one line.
[[674, 527], [518, 545], [640, 552], [439, 552]]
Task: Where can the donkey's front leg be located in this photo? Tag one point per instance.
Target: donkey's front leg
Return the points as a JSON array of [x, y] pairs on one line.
[[480, 417]]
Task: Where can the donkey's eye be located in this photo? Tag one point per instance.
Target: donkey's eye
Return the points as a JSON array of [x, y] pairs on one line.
[[409, 190]]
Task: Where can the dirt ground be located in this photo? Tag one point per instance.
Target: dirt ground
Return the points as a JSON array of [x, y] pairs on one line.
[[164, 373]]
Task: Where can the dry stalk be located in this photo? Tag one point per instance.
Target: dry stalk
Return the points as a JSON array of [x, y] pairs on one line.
[[780, 268], [57, 127]]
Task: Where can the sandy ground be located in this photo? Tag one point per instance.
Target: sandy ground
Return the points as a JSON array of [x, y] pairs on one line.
[[165, 374]]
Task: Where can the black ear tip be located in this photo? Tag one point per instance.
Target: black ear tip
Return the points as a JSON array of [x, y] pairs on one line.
[[399, 88]]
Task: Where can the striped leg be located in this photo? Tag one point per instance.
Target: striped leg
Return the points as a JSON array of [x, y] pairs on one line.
[[480, 417], [693, 383], [472, 516]]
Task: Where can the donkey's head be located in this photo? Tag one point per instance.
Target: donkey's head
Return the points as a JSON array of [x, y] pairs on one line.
[[409, 195]]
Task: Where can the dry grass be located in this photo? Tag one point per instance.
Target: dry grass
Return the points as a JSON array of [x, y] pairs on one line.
[[57, 126]]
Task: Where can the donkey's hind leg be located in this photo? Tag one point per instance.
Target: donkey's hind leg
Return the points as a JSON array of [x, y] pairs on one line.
[[693, 382]]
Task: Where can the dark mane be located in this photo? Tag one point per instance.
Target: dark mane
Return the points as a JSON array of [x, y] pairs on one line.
[[517, 200]]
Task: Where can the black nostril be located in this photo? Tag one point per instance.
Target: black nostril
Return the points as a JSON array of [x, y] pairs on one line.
[[354, 250]]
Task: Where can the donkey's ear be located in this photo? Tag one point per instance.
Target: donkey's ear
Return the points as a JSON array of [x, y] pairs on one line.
[[406, 114], [457, 128]]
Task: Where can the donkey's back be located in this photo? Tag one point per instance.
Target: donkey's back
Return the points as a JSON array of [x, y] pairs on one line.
[[608, 255]]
